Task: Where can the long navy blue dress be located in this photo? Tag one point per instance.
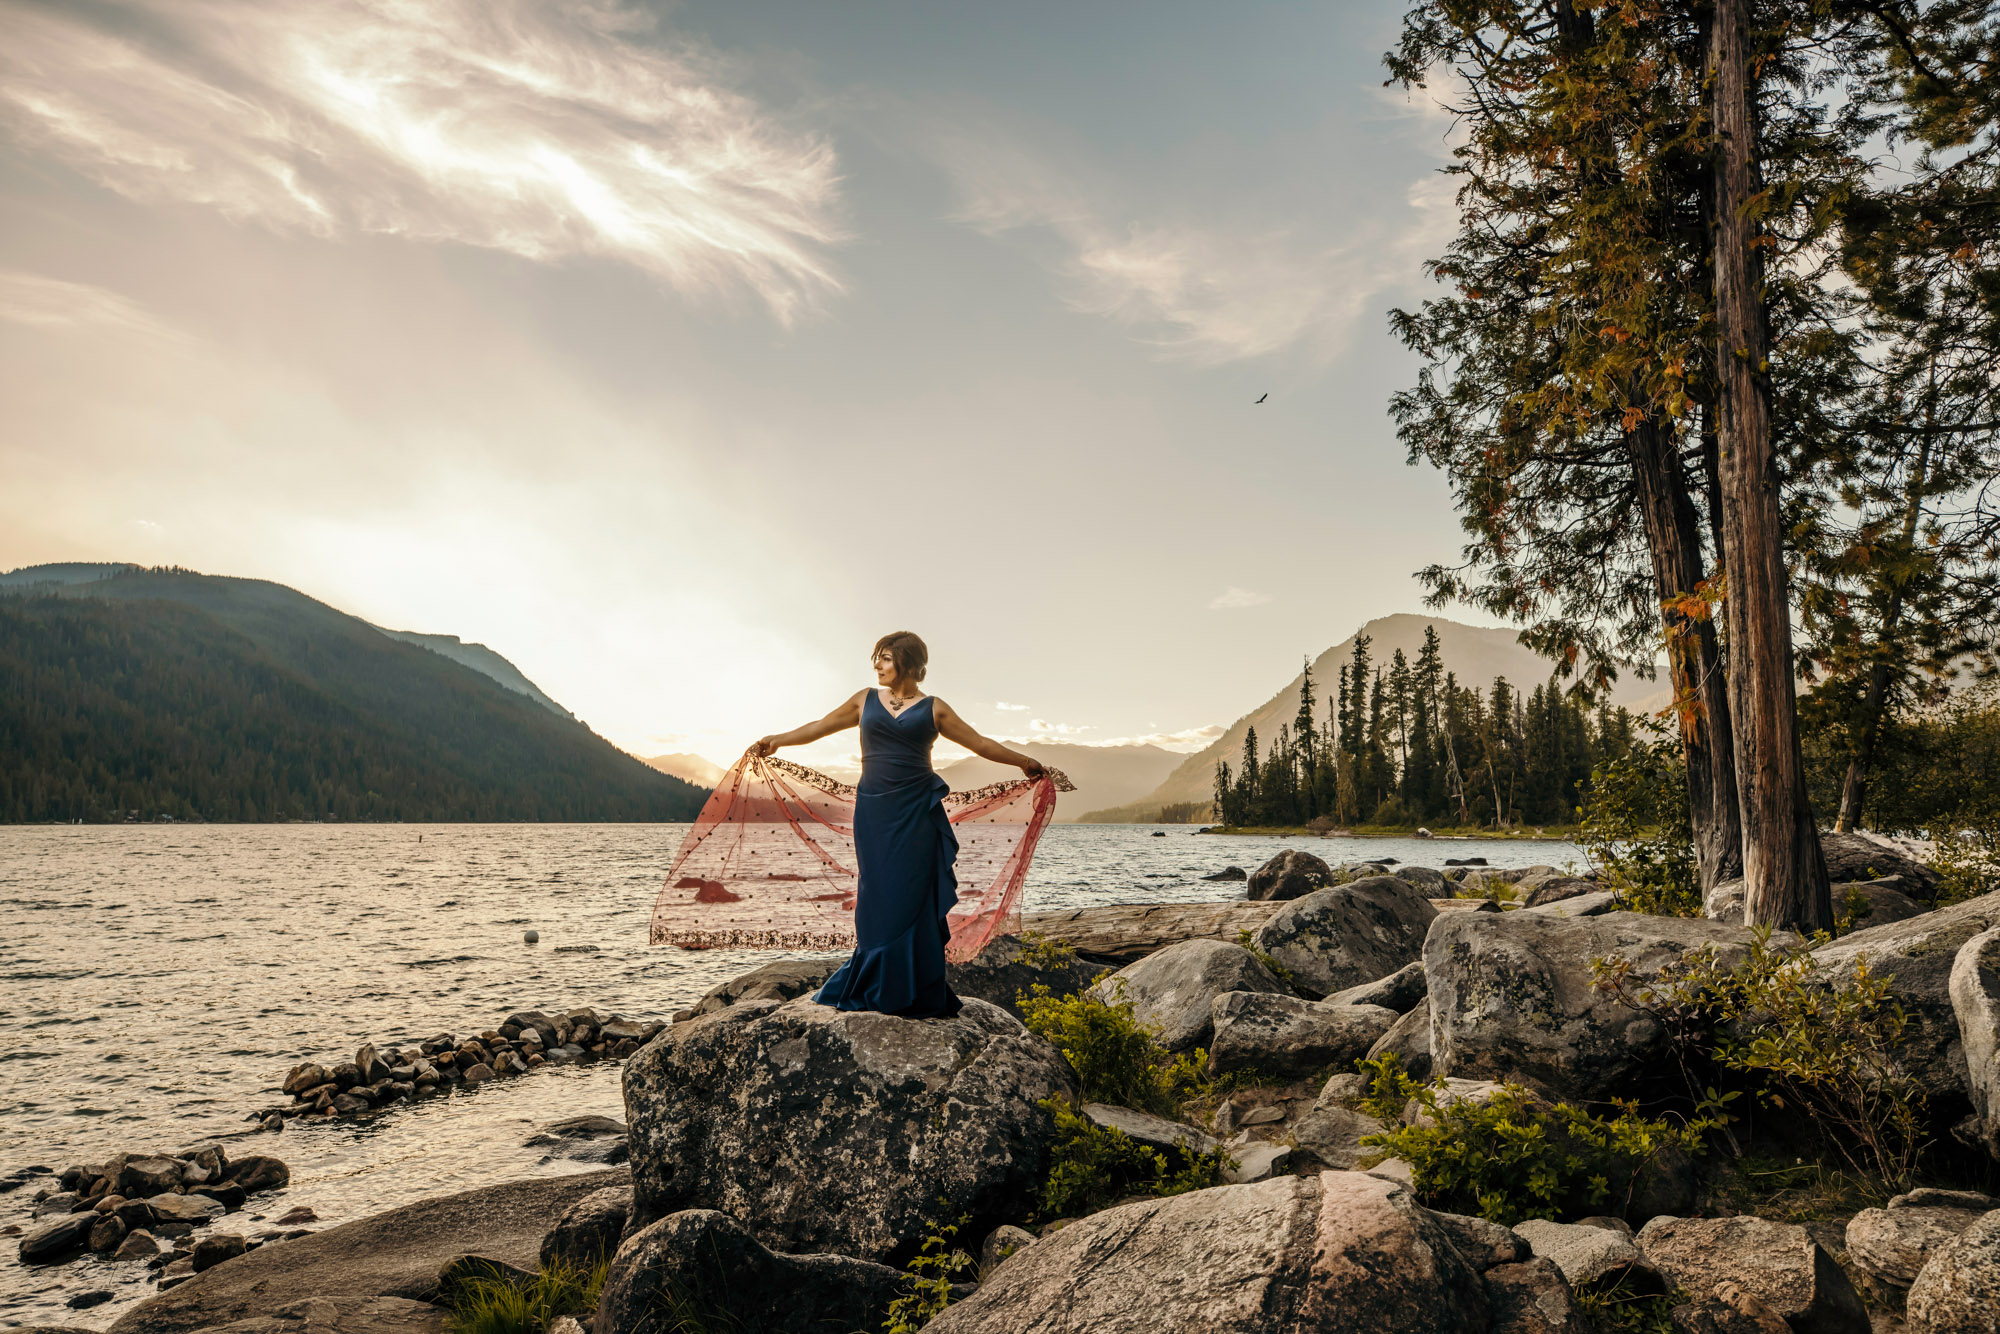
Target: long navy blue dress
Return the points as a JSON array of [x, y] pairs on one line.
[[904, 847]]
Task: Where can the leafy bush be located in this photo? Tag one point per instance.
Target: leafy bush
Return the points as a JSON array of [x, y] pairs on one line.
[[1823, 1047], [933, 1269], [1511, 1157], [1039, 951], [1622, 1306], [1637, 832], [1092, 1166], [1116, 1059], [503, 1303], [1967, 862]]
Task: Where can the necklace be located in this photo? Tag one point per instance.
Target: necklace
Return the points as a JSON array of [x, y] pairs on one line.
[[896, 703]]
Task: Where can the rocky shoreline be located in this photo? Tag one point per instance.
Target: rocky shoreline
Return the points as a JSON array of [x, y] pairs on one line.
[[792, 1166]]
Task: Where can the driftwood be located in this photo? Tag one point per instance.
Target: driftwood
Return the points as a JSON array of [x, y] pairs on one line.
[[1122, 932]]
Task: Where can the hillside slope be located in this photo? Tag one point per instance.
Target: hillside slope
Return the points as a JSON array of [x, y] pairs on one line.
[[199, 697], [1475, 654], [1104, 775]]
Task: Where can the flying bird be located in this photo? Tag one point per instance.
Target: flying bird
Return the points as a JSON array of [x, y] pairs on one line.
[[1260, 400]]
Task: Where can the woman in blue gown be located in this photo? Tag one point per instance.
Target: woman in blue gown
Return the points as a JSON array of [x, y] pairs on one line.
[[903, 844]]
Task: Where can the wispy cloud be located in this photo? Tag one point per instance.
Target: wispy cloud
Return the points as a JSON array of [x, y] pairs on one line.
[[1005, 707], [1208, 291], [543, 128], [1186, 741], [1233, 598], [50, 303]]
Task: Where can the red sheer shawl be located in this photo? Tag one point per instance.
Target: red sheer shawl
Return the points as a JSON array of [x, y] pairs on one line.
[[770, 864]]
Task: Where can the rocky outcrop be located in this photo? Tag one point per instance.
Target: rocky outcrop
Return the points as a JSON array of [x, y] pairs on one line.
[[1339, 1252], [1173, 992], [1916, 957], [1430, 882], [704, 1270], [1958, 1291], [1556, 888], [1974, 988], [1153, 1131], [780, 980], [1876, 903], [1337, 938], [1123, 932], [1286, 1035], [1777, 1263], [854, 1133], [1290, 875], [1402, 991], [393, 1254], [1512, 996]]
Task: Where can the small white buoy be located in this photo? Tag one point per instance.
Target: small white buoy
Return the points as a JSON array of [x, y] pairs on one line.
[[531, 936]]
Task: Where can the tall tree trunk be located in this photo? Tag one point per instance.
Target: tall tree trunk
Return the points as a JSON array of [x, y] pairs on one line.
[[1694, 658], [1784, 870]]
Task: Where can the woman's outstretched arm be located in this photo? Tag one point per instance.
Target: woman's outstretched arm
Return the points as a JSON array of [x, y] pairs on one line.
[[954, 728], [846, 716]]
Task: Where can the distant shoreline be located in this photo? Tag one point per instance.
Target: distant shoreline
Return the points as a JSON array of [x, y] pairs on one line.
[[1545, 834]]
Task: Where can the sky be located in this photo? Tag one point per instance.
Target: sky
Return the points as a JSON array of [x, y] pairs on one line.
[[679, 351]]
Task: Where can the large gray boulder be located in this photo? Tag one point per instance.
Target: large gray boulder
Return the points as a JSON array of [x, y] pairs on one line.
[[1337, 938], [1286, 1035], [780, 980], [1532, 1297], [1289, 875], [1916, 957], [1890, 1246], [393, 1254], [1409, 1041], [848, 1132], [1876, 903], [1851, 858], [1429, 880], [1122, 932], [1584, 1253], [1974, 988], [704, 1270], [1172, 992], [590, 1230], [1777, 1263], [1958, 1290], [1339, 1252], [343, 1315], [1512, 996], [1402, 991]]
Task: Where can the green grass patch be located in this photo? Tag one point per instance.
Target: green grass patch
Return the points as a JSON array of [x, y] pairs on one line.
[[500, 1302], [1093, 1166]]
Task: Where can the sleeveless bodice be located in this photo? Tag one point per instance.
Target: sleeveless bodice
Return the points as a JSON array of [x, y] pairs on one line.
[[895, 747]]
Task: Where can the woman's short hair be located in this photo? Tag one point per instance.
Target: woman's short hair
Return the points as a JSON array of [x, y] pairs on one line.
[[906, 650]]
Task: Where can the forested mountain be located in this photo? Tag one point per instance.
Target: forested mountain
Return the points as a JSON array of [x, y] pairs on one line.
[[1476, 655], [1104, 775], [154, 693]]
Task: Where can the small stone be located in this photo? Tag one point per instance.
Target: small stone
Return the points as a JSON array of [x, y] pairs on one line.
[[371, 1065], [216, 1247], [1256, 1162], [1890, 1246], [60, 1203], [296, 1215], [83, 1301], [106, 1233], [138, 1245], [1929, 1197], [1001, 1243], [58, 1239], [1532, 1297], [195, 1209], [479, 1073], [177, 1273], [350, 1104], [302, 1077], [531, 937]]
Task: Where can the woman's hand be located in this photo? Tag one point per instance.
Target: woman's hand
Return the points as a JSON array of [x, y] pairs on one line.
[[764, 746], [1035, 769]]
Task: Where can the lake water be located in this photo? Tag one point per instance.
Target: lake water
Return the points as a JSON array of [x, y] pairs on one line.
[[156, 982]]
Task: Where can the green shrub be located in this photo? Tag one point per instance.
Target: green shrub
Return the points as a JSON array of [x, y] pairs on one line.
[[503, 1303], [932, 1270], [1621, 1306], [1967, 862], [1510, 1157], [1092, 1166], [1116, 1059], [1039, 951], [1822, 1047], [1637, 833]]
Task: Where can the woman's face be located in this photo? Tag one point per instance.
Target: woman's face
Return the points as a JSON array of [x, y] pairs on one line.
[[885, 667]]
